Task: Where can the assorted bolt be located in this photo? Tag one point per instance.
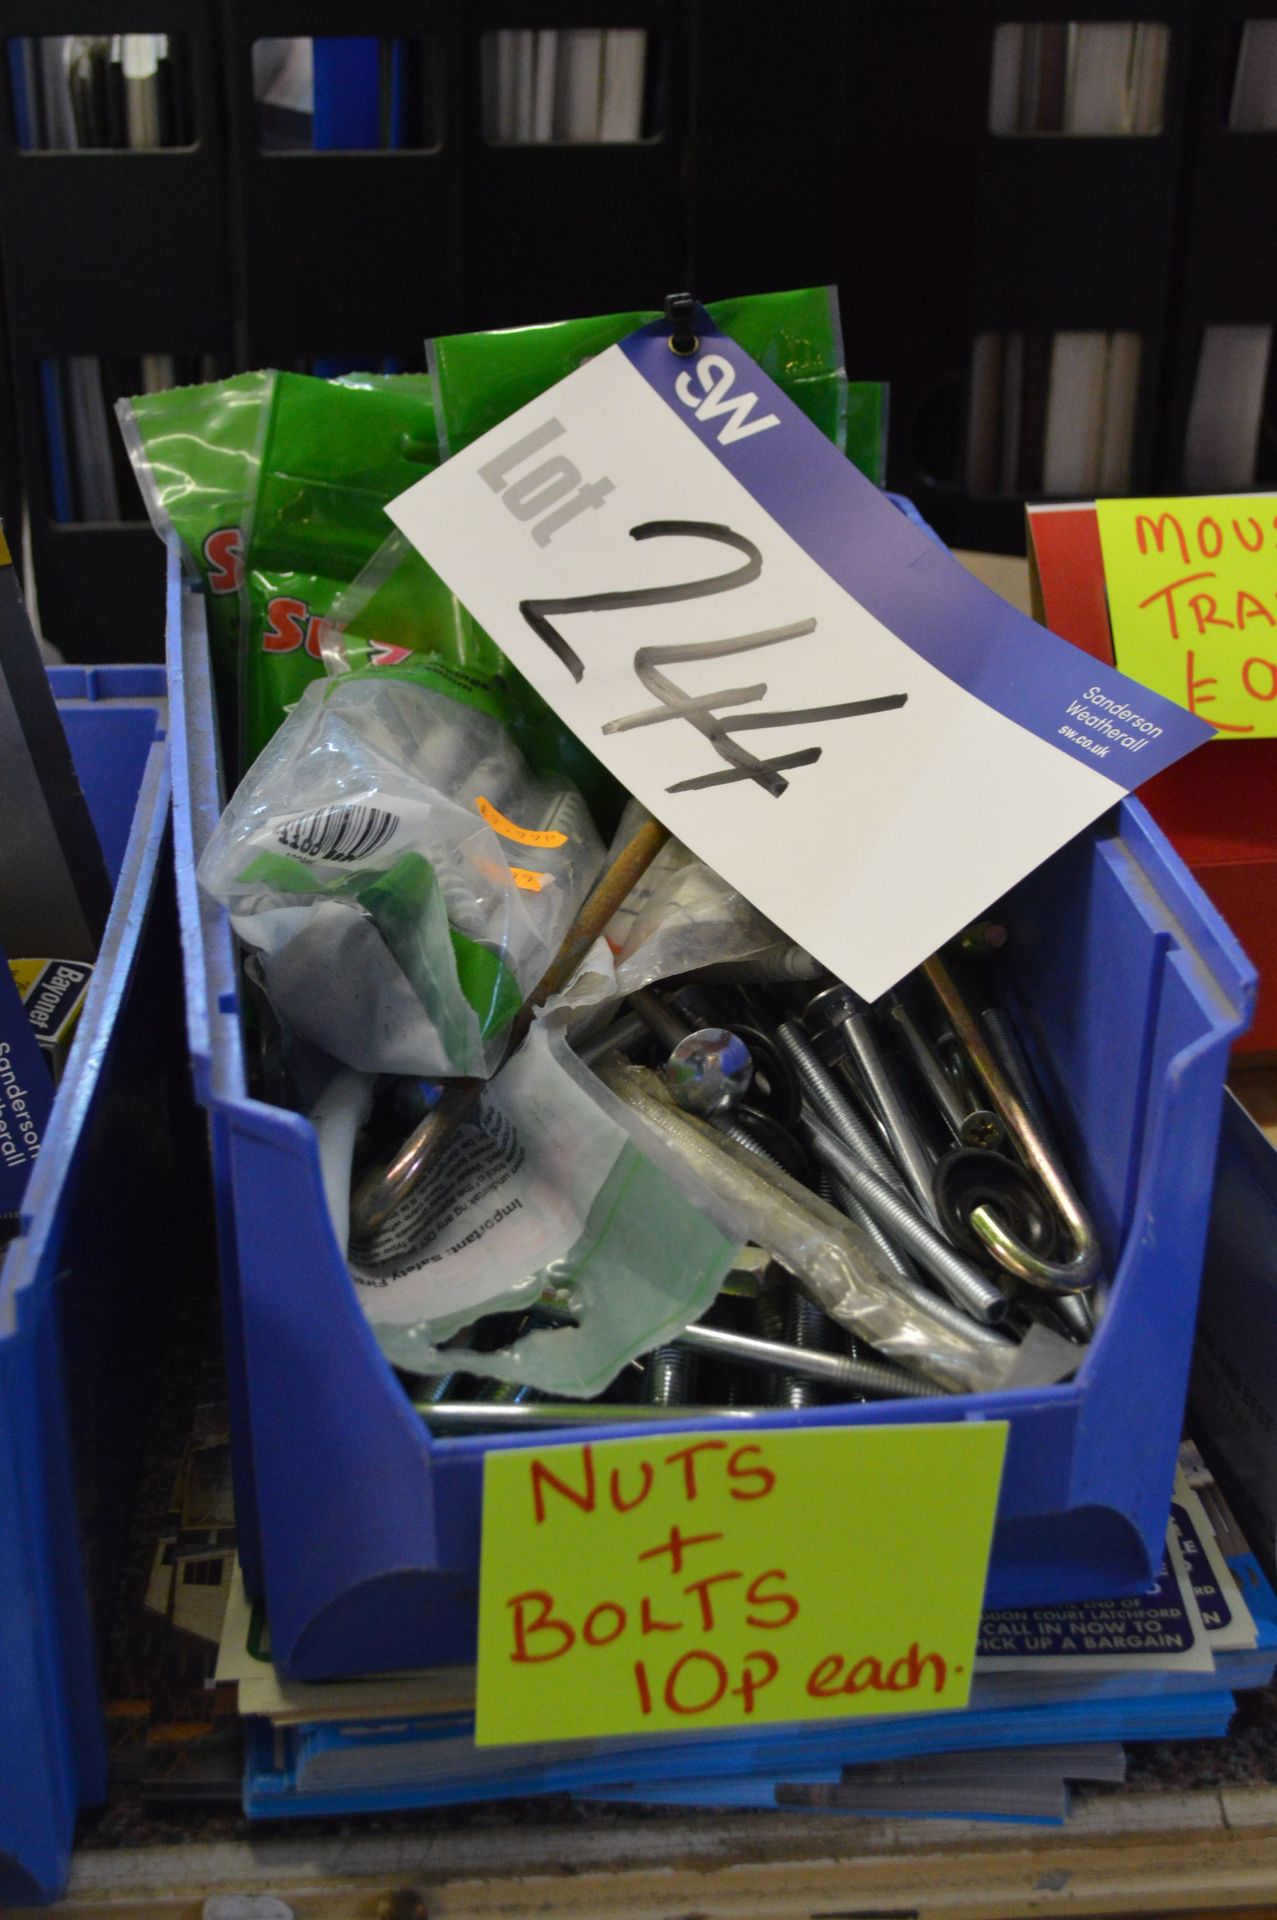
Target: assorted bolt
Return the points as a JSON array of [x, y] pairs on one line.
[[921, 1143], [709, 1071], [807, 1354], [486, 1416], [668, 1373], [838, 1007]]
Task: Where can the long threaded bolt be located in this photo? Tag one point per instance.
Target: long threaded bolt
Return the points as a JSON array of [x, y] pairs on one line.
[[850, 1017], [667, 1376], [490, 1416], [831, 1104], [806, 1329], [769, 1308], [965, 1285], [905, 1278], [733, 1130], [436, 1389], [508, 1393], [875, 1377], [839, 1195]]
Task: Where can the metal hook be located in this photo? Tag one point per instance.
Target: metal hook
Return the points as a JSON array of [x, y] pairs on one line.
[[1075, 1274]]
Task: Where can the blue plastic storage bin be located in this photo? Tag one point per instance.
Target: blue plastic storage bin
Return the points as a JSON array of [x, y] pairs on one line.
[[362, 1532], [1233, 1393], [61, 1285]]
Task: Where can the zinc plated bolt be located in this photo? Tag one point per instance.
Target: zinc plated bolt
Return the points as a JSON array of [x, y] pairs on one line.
[[807, 1329], [848, 1014], [908, 1284], [490, 1416], [965, 1285], [507, 1393], [733, 1130], [890, 1256], [893, 1260], [810, 1362], [831, 1104], [977, 1127], [667, 1376], [436, 1388]]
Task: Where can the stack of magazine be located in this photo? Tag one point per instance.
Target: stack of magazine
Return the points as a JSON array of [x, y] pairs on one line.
[[1056, 1692]]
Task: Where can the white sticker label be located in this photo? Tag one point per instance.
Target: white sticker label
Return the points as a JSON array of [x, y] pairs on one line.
[[613, 539]]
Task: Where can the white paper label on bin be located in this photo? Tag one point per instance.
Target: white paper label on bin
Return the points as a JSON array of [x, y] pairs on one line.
[[789, 673]]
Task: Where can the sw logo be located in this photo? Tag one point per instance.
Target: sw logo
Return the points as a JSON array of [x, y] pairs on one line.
[[717, 378]]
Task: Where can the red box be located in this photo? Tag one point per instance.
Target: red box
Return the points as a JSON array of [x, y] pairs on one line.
[[1218, 806]]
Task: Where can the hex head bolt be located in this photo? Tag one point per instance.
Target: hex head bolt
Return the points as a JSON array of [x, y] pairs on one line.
[[838, 1007], [965, 1285]]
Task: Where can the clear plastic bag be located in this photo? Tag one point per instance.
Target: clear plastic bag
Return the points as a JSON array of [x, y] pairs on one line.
[[544, 1194], [839, 1267], [403, 877], [680, 916]]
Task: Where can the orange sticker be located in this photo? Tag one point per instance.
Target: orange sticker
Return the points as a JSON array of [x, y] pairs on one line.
[[524, 836], [529, 879]]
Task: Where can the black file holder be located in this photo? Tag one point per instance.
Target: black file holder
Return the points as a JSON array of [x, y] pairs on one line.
[[110, 252], [557, 230], [1225, 269], [972, 232], [343, 254], [347, 253], [852, 146]]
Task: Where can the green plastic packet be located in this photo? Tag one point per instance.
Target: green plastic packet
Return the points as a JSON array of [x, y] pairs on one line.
[[195, 452], [796, 337], [402, 876], [332, 455], [386, 616]]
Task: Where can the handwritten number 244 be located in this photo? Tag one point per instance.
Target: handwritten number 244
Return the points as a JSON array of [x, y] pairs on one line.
[[704, 712]]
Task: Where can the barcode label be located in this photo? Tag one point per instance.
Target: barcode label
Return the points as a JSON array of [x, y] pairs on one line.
[[339, 833]]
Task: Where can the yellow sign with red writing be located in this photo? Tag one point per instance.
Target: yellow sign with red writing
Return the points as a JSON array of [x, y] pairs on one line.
[[732, 1578], [1192, 594]]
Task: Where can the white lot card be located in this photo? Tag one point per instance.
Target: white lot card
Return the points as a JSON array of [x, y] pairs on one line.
[[789, 673]]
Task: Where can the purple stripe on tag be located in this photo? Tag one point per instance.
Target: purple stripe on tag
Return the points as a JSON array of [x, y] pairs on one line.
[[904, 577]]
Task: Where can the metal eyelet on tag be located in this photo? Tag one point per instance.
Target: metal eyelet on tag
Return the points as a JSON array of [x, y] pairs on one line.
[[679, 309]]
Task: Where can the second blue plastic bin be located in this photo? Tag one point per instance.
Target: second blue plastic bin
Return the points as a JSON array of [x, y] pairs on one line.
[[71, 1289], [362, 1532]]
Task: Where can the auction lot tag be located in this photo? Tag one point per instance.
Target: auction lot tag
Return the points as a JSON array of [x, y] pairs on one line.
[[722, 1579], [800, 682], [1192, 593]]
